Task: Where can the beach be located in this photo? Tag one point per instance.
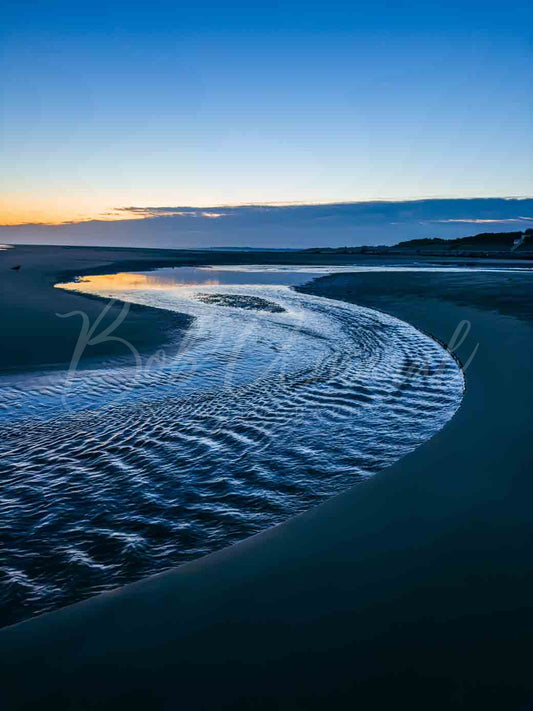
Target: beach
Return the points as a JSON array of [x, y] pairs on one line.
[[412, 588], [34, 336]]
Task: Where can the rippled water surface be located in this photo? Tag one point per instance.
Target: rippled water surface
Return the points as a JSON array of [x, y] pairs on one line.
[[273, 401]]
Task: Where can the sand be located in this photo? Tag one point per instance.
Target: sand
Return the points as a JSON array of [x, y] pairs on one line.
[[34, 336], [413, 589]]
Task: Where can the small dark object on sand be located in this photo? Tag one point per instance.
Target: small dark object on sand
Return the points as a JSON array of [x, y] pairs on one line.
[[16, 267]]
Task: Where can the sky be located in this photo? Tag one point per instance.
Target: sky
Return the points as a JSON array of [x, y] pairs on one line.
[[106, 106], [275, 226]]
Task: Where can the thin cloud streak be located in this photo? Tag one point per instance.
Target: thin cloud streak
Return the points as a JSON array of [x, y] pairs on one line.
[[279, 226]]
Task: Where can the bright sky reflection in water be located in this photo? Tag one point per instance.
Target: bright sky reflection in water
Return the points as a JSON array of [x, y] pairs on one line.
[[163, 279], [253, 274]]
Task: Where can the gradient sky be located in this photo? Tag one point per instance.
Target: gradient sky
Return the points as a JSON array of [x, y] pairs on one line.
[[110, 105]]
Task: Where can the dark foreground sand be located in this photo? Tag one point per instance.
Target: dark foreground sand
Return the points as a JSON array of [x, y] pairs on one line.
[[34, 336], [412, 590]]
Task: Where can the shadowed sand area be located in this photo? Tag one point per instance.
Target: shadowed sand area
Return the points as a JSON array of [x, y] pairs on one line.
[[33, 335], [413, 589]]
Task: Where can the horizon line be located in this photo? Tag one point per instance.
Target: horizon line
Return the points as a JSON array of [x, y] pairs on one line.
[[130, 211]]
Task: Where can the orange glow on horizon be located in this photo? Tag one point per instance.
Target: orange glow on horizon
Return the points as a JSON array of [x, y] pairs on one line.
[[27, 210]]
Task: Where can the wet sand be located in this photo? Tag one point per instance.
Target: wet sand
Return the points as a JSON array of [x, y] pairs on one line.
[[34, 336], [412, 589]]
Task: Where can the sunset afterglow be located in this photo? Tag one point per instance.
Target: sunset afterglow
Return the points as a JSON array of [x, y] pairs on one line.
[[118, 106]]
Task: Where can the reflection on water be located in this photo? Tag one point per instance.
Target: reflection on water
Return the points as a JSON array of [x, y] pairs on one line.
[[274, 401], [192, 276], [258, 274]]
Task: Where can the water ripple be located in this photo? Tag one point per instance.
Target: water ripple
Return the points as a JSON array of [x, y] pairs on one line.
[[260, 416]]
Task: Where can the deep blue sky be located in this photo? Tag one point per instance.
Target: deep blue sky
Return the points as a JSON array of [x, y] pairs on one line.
[[162, 103]]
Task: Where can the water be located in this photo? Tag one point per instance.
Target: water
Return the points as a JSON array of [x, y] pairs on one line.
[[274, 401]]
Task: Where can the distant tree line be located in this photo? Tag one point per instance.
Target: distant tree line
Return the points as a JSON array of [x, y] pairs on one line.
[[477, 244], [481, 239]]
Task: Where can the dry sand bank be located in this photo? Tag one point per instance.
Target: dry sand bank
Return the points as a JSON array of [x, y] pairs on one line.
[[413, 589]]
